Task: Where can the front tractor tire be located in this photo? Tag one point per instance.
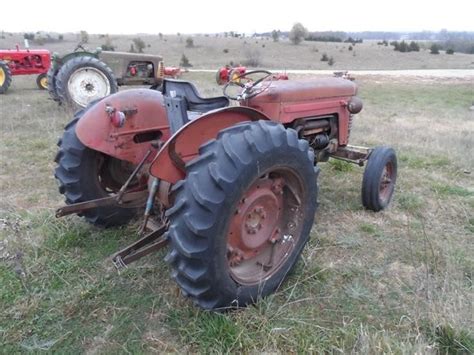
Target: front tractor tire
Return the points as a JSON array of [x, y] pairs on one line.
[[5, 77], [242, 215], [82, 80], [84, 174], [380, 176], [42, 81]]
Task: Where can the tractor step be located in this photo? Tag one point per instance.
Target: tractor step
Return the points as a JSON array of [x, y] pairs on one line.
[[153, 241]]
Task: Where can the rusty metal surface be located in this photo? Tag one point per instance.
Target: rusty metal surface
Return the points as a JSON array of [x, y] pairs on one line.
[[265, 226], [96, 131], [352, 154], [101, 202], [306, 90], [150, 243], [184, 145]]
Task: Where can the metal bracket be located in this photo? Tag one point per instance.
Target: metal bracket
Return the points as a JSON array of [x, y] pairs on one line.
[[151, 242]]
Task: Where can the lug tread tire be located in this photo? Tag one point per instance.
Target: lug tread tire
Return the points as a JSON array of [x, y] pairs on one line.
[[202, 205], [76, 181], [52, 84], [8, 77]]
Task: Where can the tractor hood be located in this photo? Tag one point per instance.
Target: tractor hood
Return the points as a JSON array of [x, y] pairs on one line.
[[305, 90]]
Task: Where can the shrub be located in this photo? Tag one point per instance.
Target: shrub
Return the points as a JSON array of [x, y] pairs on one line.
[[434, 49], [324, 58], [275, 35], [350, 48], [414, 47], [331, 61], [84, 37], [108, 46], [185, 62], [449, 51], [29, 36], [298, 33], [225, 50], [253, 57], [60, 37], [189, 42], [139, 44]]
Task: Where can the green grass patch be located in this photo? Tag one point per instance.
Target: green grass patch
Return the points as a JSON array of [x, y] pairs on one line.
[[341, 165], [451, 190], [410, 202], [452, 341]]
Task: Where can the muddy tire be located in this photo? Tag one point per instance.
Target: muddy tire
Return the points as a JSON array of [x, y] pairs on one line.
[[52, 84], [5, 77], [380, 176], [242, 215], [84, 79], [42, 81], [84, 174]]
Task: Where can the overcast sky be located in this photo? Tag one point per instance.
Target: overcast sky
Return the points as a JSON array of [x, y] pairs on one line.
[[207, 16]]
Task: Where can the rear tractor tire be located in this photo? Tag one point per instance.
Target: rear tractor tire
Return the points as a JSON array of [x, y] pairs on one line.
[[243, 215], [84, 79], [42, 81], [51, 76], [5, 77], [84, 174], [380, 176]]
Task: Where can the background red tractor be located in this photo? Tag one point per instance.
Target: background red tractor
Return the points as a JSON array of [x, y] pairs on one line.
[[232, 189], [24, 62]]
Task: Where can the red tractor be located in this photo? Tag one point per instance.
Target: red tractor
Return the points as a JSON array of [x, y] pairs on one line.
[[232, 189], [24, 62]]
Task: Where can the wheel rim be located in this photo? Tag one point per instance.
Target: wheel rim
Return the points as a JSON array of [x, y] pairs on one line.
[[112, 173], [88, 84], [44, 82], [386, 183], [265, 227], [2, 76]]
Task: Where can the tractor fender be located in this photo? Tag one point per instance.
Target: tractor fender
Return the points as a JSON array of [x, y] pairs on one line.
[[183, 146], [124, 125]]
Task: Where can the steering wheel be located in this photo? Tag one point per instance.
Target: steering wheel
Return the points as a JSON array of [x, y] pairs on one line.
[[247, 88]]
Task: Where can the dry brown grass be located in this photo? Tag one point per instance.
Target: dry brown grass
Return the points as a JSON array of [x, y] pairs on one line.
[[208, 52], [399, 281]]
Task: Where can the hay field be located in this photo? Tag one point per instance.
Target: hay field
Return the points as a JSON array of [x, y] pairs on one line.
[[209, 52]]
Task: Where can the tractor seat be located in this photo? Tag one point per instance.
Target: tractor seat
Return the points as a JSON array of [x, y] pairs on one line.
[[194, 101], [306, 90]]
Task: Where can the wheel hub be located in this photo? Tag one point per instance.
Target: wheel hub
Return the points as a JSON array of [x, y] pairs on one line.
[[386, 182], [88, 84], [255, 219]]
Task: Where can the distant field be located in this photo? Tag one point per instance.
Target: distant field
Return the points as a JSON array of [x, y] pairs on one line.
[[209, 52], [400, 281]]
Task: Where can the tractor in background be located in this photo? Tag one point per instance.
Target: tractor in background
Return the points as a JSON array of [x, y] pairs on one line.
[[81, 77], [24, 62]]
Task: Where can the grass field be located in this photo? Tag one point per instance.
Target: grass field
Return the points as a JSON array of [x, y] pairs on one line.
[[399, 281], [208, 52]]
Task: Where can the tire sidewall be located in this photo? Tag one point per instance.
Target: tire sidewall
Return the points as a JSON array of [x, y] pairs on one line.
[[378, 159], [270, 160]]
